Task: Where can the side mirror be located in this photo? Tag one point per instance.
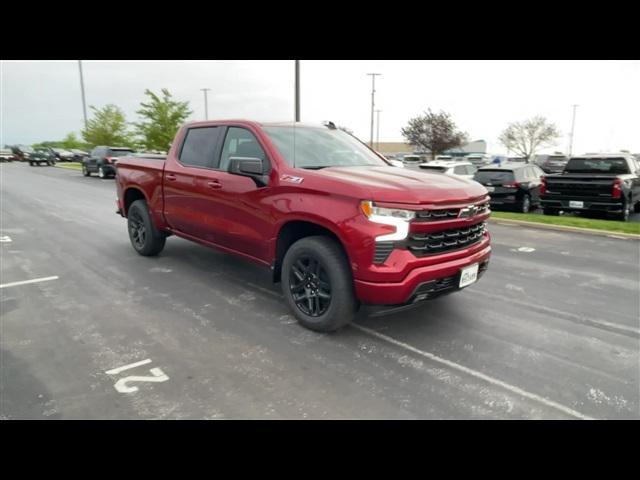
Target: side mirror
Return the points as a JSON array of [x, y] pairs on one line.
[[249, 167]]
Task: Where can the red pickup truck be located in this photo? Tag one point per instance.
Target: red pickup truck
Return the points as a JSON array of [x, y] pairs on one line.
[[334, 221]]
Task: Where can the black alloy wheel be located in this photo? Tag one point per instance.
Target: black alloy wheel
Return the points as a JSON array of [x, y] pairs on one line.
[[137, 230], [310, 286]]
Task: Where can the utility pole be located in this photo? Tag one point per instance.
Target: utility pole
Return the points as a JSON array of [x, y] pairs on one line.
[[573, 122], [206, 103], [297, 95], [84, 104], [378, 129], [373, 93]]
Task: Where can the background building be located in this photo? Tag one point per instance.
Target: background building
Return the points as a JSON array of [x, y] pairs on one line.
[[477, 146]]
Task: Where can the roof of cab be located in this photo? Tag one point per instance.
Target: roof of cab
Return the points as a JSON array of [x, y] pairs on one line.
[[256, 123]]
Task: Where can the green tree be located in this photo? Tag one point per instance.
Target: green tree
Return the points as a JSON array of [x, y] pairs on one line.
[[108, 126], [435, 132], [161, 118], [72, 141]]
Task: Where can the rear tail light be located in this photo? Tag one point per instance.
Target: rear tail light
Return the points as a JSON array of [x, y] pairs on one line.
[[616, 190], [543, 185]]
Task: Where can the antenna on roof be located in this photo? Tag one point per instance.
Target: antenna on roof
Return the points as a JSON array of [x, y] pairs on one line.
[[329, 124]]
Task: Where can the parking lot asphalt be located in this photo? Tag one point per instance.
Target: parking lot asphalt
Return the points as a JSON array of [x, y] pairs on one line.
[[550, 332]]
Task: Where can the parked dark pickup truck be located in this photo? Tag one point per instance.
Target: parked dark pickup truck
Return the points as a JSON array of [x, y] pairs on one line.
[[602, 183], [337, 225]]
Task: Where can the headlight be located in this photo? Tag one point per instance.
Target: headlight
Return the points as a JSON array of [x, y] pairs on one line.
[[395, 217]]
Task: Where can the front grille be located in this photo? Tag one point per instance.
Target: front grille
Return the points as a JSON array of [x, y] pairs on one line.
[[445, 241], [431, 215], [383, 250], [447, 213]]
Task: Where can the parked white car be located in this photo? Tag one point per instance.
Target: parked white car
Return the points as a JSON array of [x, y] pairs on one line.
[[479, 159], [458, 169], [412, 160]]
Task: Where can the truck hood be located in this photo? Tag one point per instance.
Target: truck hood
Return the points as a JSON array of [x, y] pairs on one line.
[[399, 185]]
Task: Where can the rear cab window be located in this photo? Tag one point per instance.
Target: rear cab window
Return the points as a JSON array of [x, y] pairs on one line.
[[119, 152], [595, 165], [434, 168]]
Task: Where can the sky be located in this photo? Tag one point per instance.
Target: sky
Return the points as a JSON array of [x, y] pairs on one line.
[[41, 100]]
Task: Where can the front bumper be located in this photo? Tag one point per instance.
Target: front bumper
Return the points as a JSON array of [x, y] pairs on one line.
[[432, 280], [589, 203]]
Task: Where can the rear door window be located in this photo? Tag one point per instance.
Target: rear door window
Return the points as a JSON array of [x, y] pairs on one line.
[[200, 147], [460, 170]]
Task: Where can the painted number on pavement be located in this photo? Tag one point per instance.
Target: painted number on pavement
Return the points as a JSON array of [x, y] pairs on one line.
[[123, 385]]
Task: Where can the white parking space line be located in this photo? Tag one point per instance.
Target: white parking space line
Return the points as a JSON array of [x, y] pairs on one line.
[[115, 371], [5, 239], [26, 282], [476, 374]]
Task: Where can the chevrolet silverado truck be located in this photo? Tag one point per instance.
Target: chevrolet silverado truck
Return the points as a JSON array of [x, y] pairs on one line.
[[594, 183], [336, 224]]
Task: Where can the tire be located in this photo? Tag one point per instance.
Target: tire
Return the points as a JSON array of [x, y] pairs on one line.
[[322, 262], [145, 237], [101, 173], [551, 211], [31, 164], [636, 207], [85, 171], [626, 211], [525, 206]]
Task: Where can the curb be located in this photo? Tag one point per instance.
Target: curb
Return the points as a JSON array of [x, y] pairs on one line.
[[565, 228]]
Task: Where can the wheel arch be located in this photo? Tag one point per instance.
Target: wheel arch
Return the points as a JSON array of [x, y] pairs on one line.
[[293, 230], [131, 194]]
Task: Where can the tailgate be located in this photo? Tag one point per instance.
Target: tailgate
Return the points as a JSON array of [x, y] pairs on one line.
[[576, 186]]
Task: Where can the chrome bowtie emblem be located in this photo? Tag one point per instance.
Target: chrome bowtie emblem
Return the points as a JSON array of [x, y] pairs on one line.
[[469, 211]]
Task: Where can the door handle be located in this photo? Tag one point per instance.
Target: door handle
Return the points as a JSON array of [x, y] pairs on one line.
[[171, 177], [214, 184]]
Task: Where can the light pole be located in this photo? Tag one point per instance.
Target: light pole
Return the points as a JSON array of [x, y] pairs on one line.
[[373, 93], [573, 122], [297, 94], [84, 104], [206, 103], [378, 129]]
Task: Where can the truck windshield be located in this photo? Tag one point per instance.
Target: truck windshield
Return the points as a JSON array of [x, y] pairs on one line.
[[315, 148], [597, 165]]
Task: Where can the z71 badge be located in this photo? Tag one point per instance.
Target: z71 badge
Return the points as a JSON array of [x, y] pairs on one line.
[[291, 179]]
